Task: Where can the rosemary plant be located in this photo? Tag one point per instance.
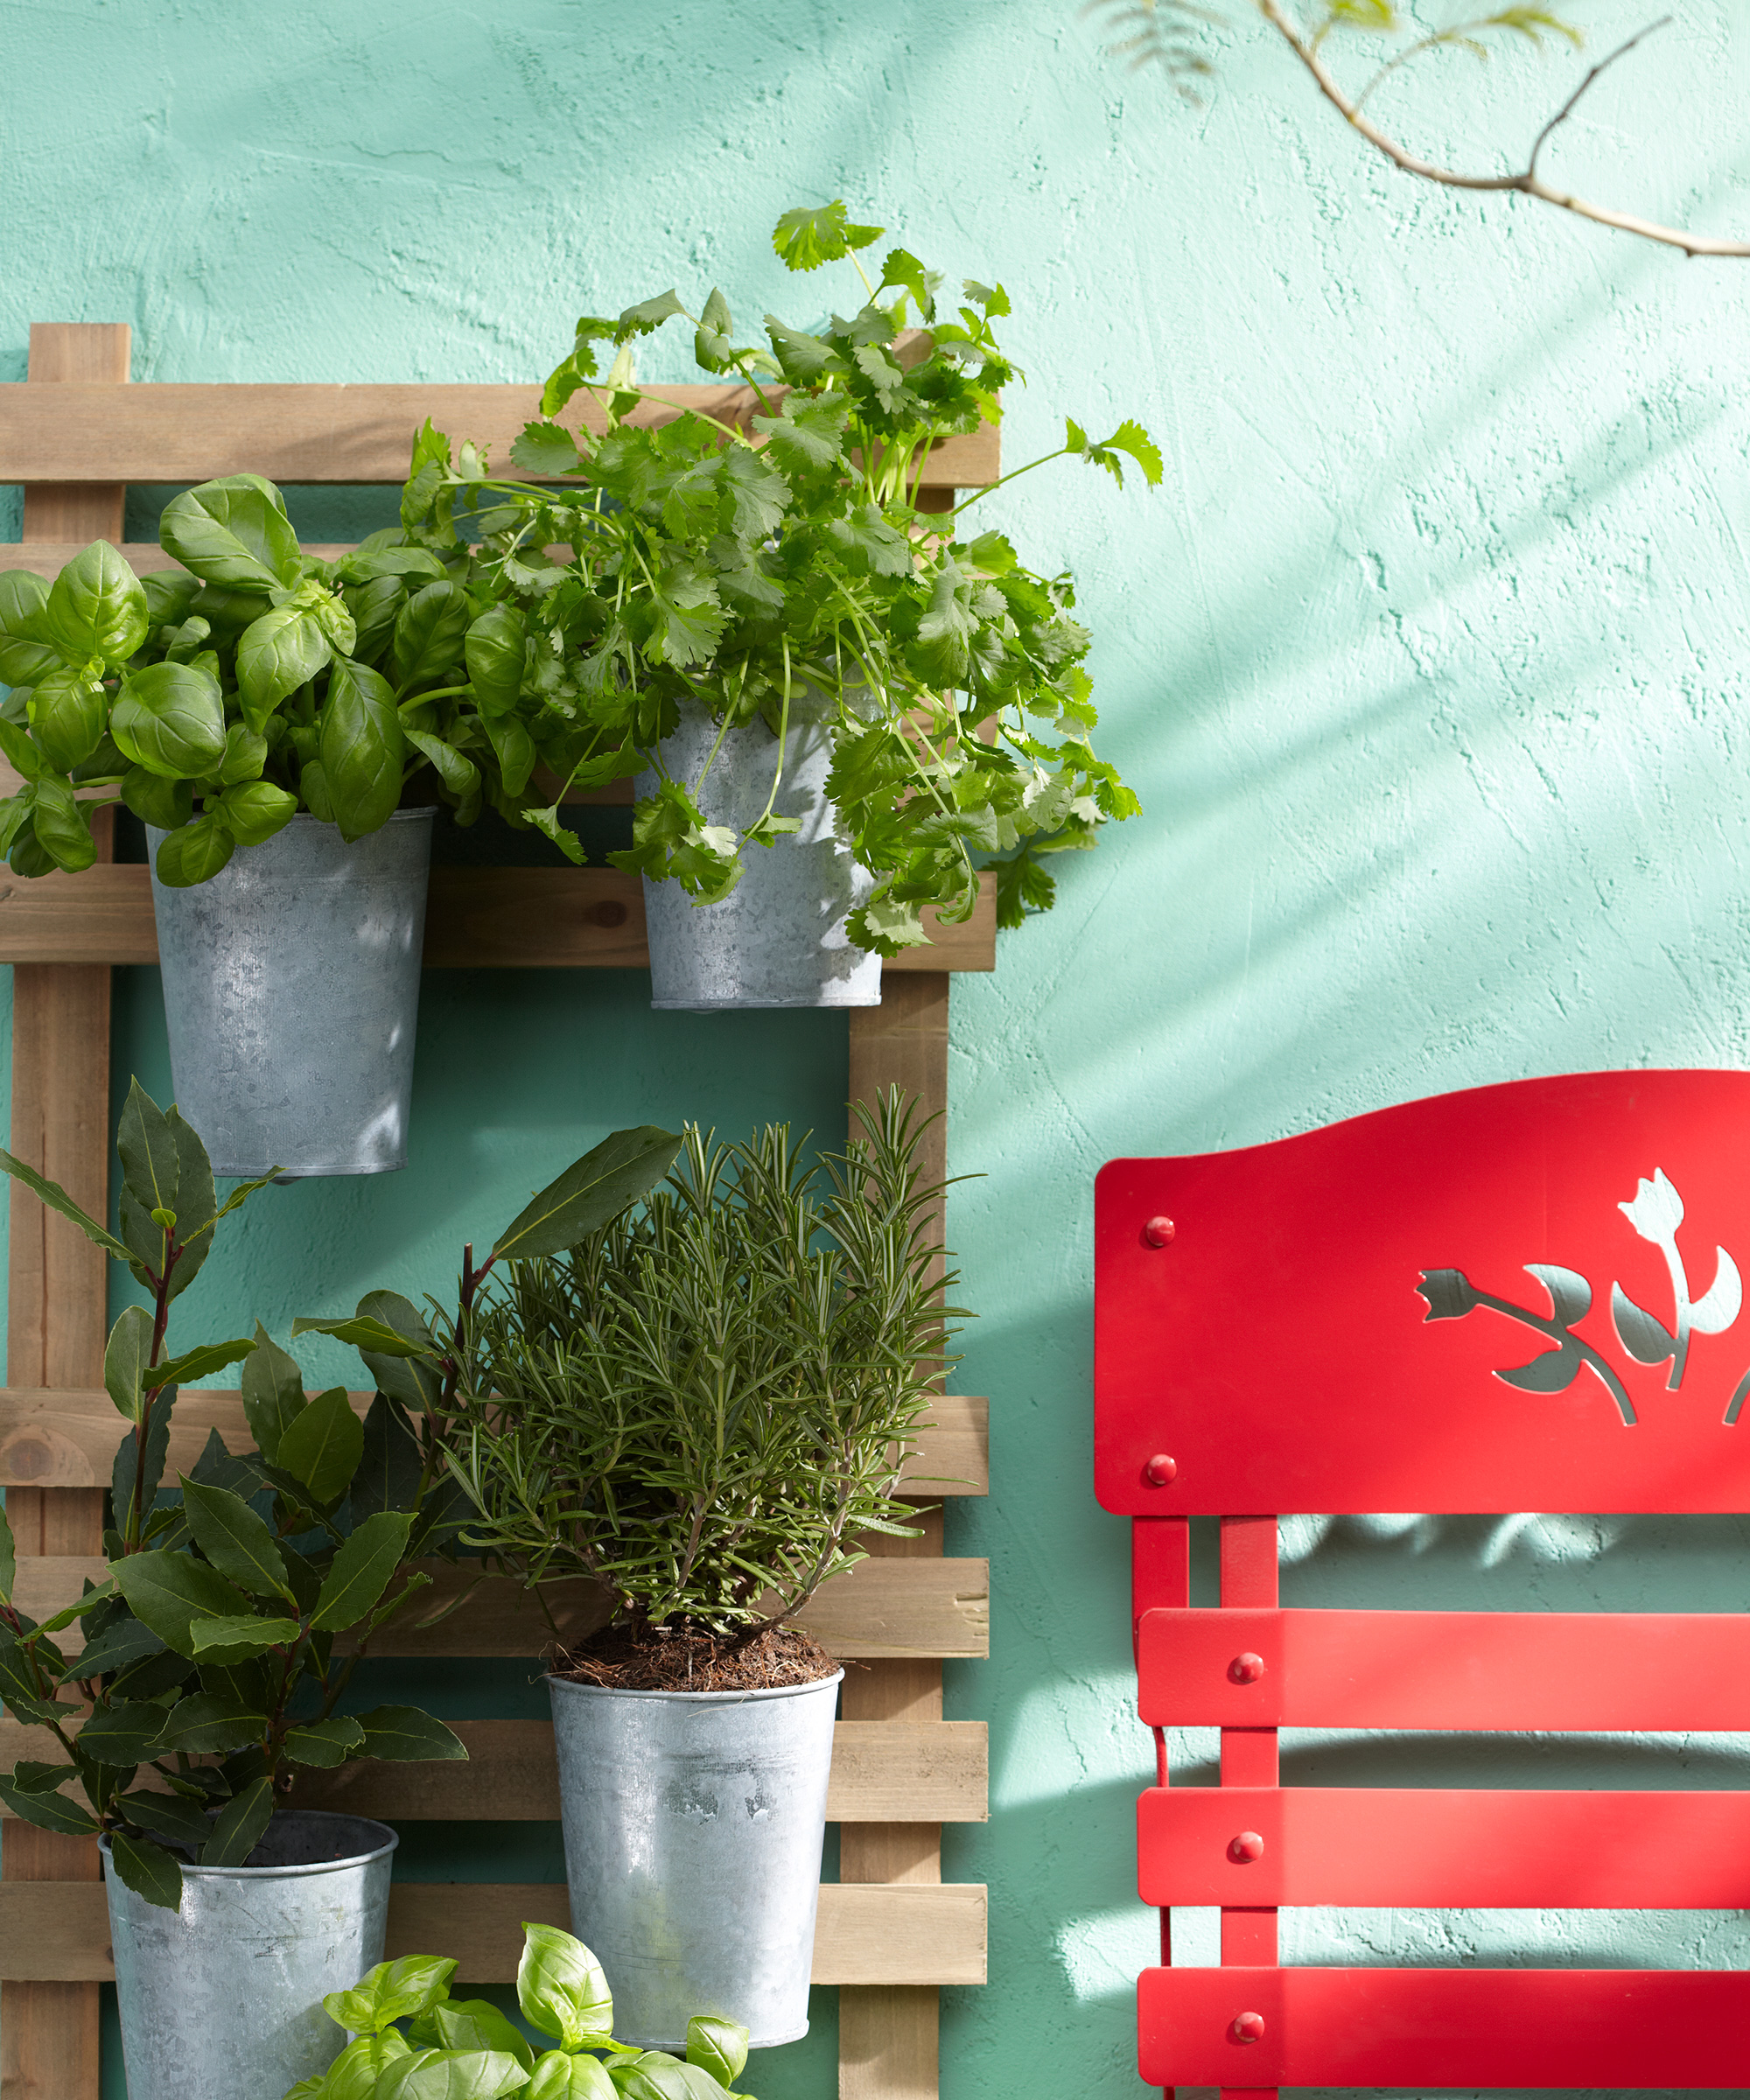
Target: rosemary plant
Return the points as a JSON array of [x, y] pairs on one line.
[[702, 1405]]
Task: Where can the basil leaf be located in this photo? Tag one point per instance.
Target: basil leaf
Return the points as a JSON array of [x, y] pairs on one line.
[[165, 805], [254, 810], [194, 854], [169, 717], [496, 648], [561, 1988], [96, 606], [276, 653], [68, 716], [62, 831], [362, 747], [430, 634], [232, 532]]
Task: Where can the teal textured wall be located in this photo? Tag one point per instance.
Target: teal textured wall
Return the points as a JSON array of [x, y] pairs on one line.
[[1427, 661]]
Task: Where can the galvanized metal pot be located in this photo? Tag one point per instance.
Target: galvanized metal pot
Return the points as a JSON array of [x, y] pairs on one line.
[[222, 1999], [694, 1822], [778, 939], [291, 992]]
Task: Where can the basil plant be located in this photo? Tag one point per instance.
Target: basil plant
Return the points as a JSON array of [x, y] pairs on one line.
[[760, 571], [411, 2041], [222, 697], [185, 1692]]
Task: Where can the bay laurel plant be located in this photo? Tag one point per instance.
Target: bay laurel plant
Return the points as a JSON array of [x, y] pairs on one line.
[[759, 569], [411, 2041], [701, 1405], [255, 681], [207, 1666]]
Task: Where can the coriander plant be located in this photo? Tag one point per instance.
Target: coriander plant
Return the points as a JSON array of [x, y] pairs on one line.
[[701, 1405], [756, 570]]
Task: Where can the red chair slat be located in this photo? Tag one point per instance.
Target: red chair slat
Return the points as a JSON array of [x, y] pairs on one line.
[[1592, 1670], [1277, 1352], [1468, 2028], [1470, 1850]]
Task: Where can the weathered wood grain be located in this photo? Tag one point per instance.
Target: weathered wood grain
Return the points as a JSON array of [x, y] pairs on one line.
[[477, 919], [352, 436], [66, 1437], [882, 1773], [877, 1608], [59, 1931]]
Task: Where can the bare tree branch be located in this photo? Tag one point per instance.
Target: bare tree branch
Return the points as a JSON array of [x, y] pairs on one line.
[[1527, 182], [1160, 33]]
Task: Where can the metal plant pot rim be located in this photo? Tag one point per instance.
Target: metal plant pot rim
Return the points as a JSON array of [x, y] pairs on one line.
[[304, 818], [285, 1873], [696, 1698]]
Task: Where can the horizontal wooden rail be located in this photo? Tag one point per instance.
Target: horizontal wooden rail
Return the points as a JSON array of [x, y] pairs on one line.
[[908, 1933], [882, 1772], [1478, 1849], [65, 1436], [338, 435], [1445, 1670], [477, 919], [1444, 2027], [923, 1607]]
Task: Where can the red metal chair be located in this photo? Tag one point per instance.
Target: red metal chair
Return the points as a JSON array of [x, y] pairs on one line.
[[1519, 1297]]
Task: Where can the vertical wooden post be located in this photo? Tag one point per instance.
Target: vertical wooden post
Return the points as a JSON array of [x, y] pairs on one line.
[[887, 2036], [56, 1279]]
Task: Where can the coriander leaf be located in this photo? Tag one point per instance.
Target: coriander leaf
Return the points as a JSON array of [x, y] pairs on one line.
[[806, 236], [545, 449]]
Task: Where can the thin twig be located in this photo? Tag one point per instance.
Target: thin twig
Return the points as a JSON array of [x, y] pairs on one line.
[[1527, 182]]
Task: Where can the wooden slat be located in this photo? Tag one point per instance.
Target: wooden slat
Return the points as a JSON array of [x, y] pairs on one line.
[[879, 1607], [1478, 1849], [882, 1772], [342, 435], [1448, 1670], [477, 919], [1422, 2028], [67, 1438], [60, 1931]]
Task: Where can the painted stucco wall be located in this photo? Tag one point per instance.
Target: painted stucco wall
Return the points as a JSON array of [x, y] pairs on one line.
[[1426, 661]]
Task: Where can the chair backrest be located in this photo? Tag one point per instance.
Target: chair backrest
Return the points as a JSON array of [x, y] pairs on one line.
[[1518, 1298]]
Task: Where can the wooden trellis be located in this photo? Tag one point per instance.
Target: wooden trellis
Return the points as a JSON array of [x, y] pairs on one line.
[[890, 1932]]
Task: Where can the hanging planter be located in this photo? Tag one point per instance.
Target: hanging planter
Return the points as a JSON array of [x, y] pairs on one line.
[[292, 995], [282, 726], [694, 1823], [779, 937], [222, 1999]]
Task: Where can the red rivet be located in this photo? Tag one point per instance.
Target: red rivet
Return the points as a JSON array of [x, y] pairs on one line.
[[1249, 2027], [1158, 1232], [1246, 1669], [1161, 1471], [1245, 1848]]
